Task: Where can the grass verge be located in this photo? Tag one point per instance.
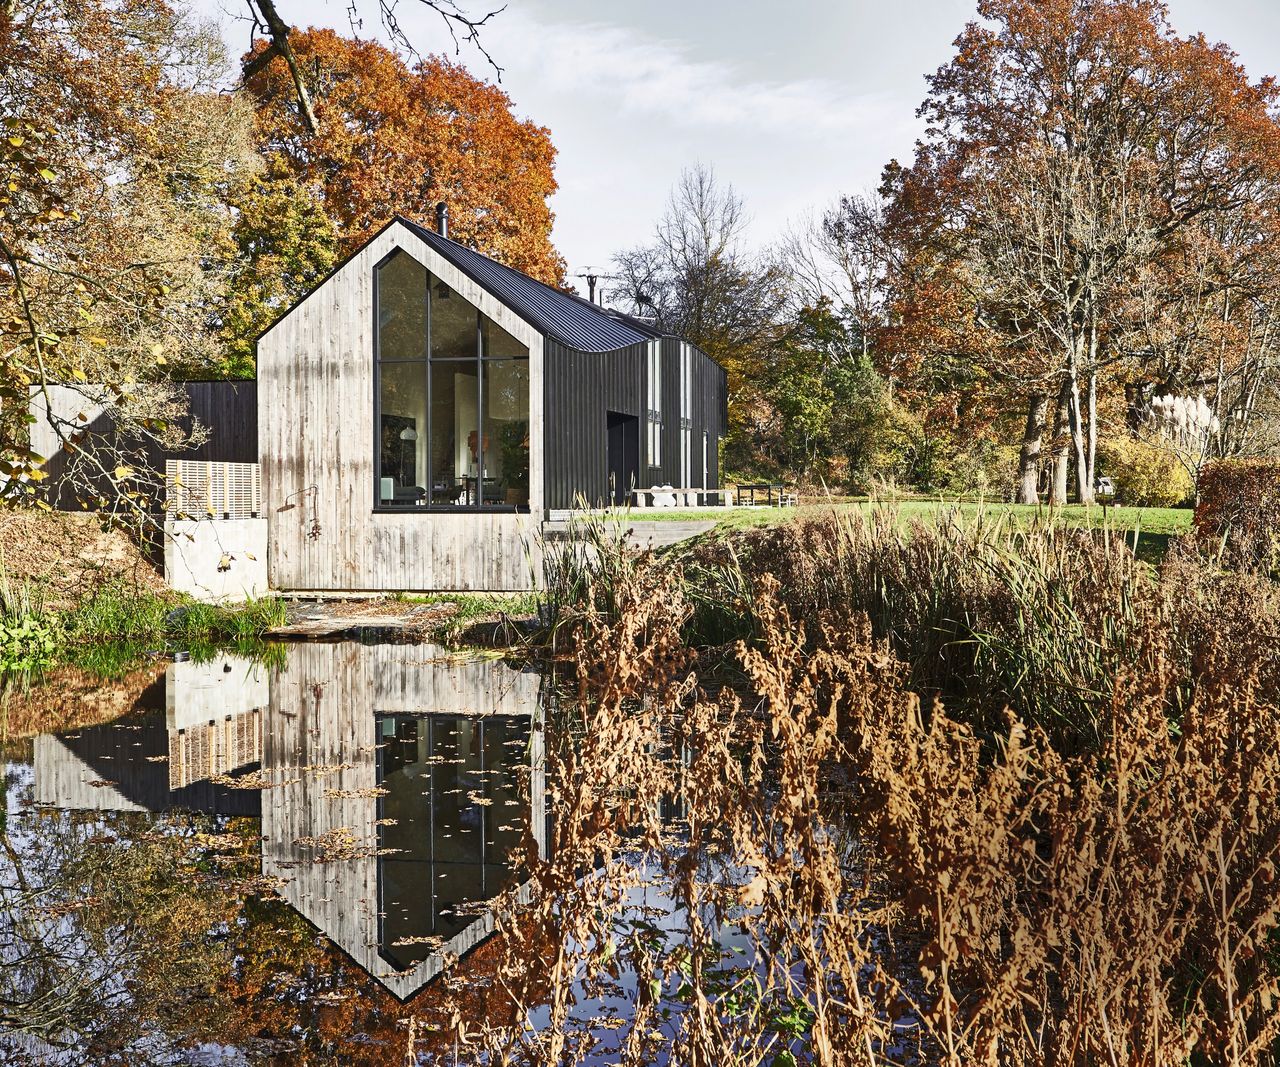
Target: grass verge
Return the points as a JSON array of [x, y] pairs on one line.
[[115, 626]]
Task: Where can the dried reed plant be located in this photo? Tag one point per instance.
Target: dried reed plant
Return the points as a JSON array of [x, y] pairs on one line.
[[830, 863]]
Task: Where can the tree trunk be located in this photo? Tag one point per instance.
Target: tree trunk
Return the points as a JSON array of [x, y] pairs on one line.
[[1092, 429], [1061, 447], [1029, 461], [1084, 486]]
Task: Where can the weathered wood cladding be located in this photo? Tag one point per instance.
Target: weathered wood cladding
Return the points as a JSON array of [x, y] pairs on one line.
[[316, 448], [582, 387]]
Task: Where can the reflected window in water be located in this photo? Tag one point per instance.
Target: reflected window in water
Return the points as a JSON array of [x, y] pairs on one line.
[[449, 824]]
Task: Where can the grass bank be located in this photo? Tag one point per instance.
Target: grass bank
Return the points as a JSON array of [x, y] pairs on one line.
[[113, 626]]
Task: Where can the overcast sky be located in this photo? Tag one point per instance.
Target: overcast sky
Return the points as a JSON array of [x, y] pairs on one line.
[[792, 101]]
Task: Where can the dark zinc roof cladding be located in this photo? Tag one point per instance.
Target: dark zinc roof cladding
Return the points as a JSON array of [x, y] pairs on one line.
[[568, 319]]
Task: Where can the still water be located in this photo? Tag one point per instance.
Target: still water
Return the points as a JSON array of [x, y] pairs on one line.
[[385, 791], [289, 862]]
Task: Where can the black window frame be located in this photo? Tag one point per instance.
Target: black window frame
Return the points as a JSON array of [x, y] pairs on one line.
[[479, 361]]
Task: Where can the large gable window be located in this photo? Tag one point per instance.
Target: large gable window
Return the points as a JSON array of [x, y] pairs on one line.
[[451, 402]]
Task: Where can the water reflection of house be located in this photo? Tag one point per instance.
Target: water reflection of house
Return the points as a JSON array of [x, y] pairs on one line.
[[213, 713], [398, 801], [203, 721], [395, 800]]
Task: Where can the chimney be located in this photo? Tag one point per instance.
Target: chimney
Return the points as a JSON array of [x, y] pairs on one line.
[[442, 219]]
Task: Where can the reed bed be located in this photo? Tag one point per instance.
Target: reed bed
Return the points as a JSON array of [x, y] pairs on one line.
[[982, 795]]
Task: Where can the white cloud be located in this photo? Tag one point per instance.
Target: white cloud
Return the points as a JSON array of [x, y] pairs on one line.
[[646, 76]]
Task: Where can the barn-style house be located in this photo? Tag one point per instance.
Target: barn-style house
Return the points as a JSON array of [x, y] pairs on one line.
[[424, 409]]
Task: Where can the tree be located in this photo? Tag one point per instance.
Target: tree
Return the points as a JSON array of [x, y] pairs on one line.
[[1070, 146], [284, 245], [697, 279], [120, 158], [395, 139], [832, 408]]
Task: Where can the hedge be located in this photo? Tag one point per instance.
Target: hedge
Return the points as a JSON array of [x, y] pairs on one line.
[[1238, 509]]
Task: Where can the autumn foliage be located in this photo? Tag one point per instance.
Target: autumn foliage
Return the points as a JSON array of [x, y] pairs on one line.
[[1238, 510], [1093, 206], [395, 139]]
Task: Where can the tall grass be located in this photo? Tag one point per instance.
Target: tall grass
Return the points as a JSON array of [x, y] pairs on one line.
[[985, 796], [987, 613]]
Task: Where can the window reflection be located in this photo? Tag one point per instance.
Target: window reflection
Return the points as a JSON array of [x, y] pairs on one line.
[[450, 822], [452, 398]]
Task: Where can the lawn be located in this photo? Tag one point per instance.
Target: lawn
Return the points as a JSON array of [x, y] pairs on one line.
[[1149, 520], [1153, 526]]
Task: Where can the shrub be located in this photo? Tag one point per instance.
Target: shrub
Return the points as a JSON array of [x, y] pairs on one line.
[[28, 637], [1239, 508], [1146, 474], [987, 468]]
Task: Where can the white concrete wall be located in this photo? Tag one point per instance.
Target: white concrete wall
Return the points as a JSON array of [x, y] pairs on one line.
[[216, 559]]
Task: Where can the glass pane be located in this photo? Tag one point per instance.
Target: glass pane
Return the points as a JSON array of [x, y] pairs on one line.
[[655, 377], [496, 343], [402, 434], [506, 742], [453, 324], [455, 445], [506, 432], [402, 308]]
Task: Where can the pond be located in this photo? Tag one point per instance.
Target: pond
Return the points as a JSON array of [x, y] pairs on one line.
[[328, 855]]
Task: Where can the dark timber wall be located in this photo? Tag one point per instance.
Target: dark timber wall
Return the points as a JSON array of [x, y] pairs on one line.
[[582, 387], [228, 409]]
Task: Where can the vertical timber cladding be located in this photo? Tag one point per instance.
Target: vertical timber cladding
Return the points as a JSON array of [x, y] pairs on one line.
[[705, 410], [316, 442], [229, 411], [582, 387]]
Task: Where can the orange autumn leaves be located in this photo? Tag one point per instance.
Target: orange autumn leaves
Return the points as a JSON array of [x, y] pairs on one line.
[[395, 139]]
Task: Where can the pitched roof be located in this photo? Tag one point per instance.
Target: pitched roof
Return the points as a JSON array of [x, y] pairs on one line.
[[574, 322]]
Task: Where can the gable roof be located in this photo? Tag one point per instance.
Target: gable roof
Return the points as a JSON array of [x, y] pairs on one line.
[[568, 319]]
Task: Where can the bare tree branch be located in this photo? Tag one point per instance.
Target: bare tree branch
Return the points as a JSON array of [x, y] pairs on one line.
[[278, 30]]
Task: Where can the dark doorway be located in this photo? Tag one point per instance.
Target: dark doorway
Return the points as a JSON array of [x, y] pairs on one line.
[[624, 455]]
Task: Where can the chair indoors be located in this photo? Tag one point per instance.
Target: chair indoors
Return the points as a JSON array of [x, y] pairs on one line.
[[443, 493]]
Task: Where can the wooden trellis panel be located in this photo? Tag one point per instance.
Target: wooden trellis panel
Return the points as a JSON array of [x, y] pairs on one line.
[[202, 751], [199, 489]]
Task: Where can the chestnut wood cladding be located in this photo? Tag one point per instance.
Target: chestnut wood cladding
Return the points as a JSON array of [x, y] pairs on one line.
[[316, 448]]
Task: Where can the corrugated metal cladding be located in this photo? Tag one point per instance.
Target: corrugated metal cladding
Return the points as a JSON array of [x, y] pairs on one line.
[[582, 387], [570, 320]]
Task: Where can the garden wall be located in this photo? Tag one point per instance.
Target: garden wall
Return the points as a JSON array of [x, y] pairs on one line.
[[216, 560]]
